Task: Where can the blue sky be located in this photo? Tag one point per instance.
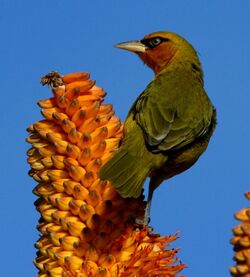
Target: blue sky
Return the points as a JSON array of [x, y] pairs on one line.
[[69, 36]]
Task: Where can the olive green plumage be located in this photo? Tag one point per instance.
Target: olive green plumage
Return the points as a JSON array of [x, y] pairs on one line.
[[169, 125]]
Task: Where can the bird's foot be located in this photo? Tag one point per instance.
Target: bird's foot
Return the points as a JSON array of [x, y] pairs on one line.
[[151, 233], [142, 224]]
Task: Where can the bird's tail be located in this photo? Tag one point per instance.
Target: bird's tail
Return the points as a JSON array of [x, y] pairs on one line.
[[127, 173]]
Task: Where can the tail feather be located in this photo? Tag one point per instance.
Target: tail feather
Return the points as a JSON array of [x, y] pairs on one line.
[[127, 173], [132, 187]]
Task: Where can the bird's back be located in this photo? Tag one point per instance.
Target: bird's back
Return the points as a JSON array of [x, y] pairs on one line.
[[170, 114]]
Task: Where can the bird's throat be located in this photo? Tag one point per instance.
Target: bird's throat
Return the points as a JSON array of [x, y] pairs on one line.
[[158, 60]]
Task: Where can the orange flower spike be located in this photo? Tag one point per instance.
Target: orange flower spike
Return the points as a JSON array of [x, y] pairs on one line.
[[74, 136], [85, 140], [47, 162], [47, 113], [47, 103], [99, 133], [88, 179], [67, 125], [60, 161], [98, 149], [56, 174], [80, 192], [94, 165], [62, 102], [63, 203], [76, 228], [243, 215], [106, 109], [79, 116], [75, 205], [76, 76], [86, 228], [97, 91], [47, 150], [85, 156], [87, 100], [241, 242], [86, 212], [89, 125], [76, 172], [78, 87], [59, 92], [93, 110]]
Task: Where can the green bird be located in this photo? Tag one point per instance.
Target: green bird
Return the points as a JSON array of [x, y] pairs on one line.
[[171, 122]]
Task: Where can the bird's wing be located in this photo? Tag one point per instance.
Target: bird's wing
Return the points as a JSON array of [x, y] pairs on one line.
[[170, 118]]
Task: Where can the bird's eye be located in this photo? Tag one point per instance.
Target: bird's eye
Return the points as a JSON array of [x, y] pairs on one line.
[[154, 42]]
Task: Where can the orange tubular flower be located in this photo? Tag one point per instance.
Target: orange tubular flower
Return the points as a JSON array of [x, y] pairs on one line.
[[86, 228], [241, 242]]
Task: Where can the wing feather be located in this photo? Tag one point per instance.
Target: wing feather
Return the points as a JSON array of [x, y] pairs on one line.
[[170, 115]]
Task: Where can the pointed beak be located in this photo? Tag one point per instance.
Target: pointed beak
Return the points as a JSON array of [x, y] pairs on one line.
[[134, 46]]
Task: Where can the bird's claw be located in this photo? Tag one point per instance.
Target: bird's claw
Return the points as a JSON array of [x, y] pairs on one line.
[[149, 229], [141, 222], [151, 233]]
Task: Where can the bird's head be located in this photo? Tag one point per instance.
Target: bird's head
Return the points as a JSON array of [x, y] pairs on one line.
[[160, 49]]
